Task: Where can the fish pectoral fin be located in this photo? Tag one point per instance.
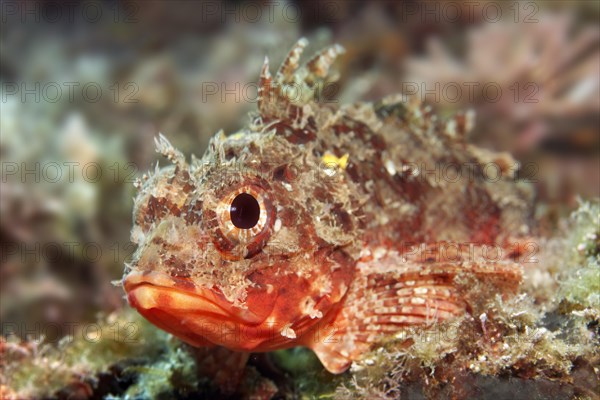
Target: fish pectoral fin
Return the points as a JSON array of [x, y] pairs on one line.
[[378, 310], [385, 302]]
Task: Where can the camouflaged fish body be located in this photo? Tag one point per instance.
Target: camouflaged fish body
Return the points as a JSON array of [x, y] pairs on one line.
[[322, 226]]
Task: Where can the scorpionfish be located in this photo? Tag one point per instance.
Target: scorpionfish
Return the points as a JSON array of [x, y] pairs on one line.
[[324, 226]]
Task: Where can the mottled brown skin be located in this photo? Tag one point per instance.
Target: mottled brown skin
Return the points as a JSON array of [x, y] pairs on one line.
[[334, 267]]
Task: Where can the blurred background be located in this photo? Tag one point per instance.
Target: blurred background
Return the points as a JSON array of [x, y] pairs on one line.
[[86, 86]]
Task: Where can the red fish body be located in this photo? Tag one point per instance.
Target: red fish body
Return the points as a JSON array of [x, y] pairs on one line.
[[322, 226]]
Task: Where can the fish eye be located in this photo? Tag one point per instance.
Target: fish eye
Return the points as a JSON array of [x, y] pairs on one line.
[[245, 215], [244, 211]]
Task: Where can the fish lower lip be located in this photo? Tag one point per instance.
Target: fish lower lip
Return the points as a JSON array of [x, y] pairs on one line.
[[179, 296], [174, 301]]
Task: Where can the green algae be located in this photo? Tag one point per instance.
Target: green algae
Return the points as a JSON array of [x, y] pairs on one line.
[[38, 370]]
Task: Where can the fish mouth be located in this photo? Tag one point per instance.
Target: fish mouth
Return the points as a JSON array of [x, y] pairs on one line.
[[198, 315], [153, 293]]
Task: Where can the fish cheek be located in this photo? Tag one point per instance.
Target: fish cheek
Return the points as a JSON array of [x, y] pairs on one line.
[[278, 295]]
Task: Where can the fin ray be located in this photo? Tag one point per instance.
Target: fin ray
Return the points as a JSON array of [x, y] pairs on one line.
[[395, 291]]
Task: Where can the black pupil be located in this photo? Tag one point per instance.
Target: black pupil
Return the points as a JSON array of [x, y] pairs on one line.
[[244, 211]]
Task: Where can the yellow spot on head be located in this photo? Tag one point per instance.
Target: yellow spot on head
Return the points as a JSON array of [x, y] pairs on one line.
[[331, 159]]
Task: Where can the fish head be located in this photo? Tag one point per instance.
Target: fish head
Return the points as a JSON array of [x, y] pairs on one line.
[[243, 240]]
